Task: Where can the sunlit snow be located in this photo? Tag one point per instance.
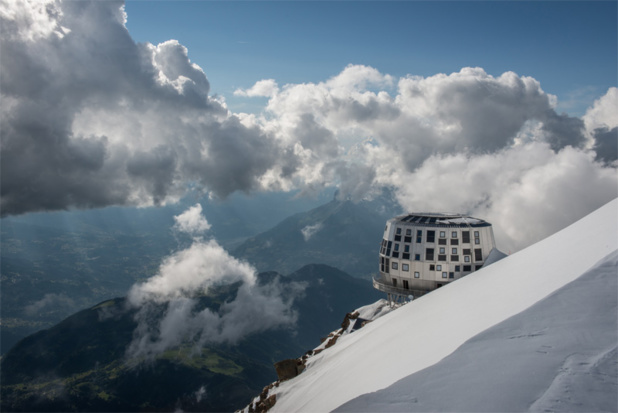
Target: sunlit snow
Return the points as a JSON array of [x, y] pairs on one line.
[[534, 331]]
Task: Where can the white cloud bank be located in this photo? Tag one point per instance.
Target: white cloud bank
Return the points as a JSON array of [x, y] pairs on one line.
[[90, 118], [169, 307]]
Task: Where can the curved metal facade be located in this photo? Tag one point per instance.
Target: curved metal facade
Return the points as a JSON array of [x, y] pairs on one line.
[[424, 251]]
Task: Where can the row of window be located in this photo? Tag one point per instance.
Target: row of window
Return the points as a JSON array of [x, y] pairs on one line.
[[430, 236]]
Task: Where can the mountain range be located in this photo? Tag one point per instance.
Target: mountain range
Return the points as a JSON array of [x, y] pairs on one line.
[[81, 364]]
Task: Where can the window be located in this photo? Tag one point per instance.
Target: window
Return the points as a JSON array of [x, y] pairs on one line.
[[477, 241], [478, 254], [451, 275], [441, 257], [467, 251], [467, 268], [455, 258], [431, 236], [406, 285], [453, 250], [457, 268], [398, 231], [439, 267], [408, 232], [478, 267], [442, 251], [406, 248], [443, 275], [476, 234], [387, 266], [419, 236], [405, 267], [417, 274], [466, 258], [382, 264], [395, 254], [429, 254], [396, 247], [432, 267], [442, 234], [454, 234], [417, 257], [388, 248], [442, 241], [405, 256], [465, 237], [454, 241], [398, 238], [394, 282], [407, 239]]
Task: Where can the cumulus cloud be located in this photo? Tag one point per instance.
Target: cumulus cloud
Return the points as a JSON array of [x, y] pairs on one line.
[[263, 88], [169, 310], [90, 118], [191, 221]]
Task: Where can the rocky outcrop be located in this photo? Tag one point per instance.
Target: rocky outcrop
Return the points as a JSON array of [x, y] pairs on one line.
[[289, 368]]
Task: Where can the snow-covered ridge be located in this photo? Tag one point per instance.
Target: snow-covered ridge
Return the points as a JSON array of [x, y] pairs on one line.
[[425, 331]]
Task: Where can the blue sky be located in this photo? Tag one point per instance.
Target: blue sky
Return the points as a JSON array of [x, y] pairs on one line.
[[569, 46]]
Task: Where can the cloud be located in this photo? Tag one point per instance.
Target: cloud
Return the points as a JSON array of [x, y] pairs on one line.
[[262, 88], [310, 230], [191, 221], [52, 300], [91, 118], [169, 310]]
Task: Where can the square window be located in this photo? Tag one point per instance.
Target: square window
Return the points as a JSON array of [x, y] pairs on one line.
[[442, 234], [457, 267], [397, 237], [408, 232], [439, 267], [467, 251], [444, 275], [406, 248], [476, 234], [442, 241], [406, 285], [477, 241], [395, 265], [454, 234], [398, 231], [441, 257], [451, 275], [407, 239], [429, 254], [395, 254], [454, 241], [454, 250], [432, 267], [405, 256], [455, 258], [417, 274], [396, 247], [442, 250], [467, 268], [405, 267], [467, 258]]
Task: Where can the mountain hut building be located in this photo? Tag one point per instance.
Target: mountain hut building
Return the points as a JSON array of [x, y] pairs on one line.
[[424, 251]]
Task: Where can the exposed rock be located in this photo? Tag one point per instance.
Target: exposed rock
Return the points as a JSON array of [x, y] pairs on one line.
[[289, 368], [265, 405]]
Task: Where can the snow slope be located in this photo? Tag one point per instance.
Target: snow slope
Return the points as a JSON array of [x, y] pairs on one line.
[[425, 331]]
